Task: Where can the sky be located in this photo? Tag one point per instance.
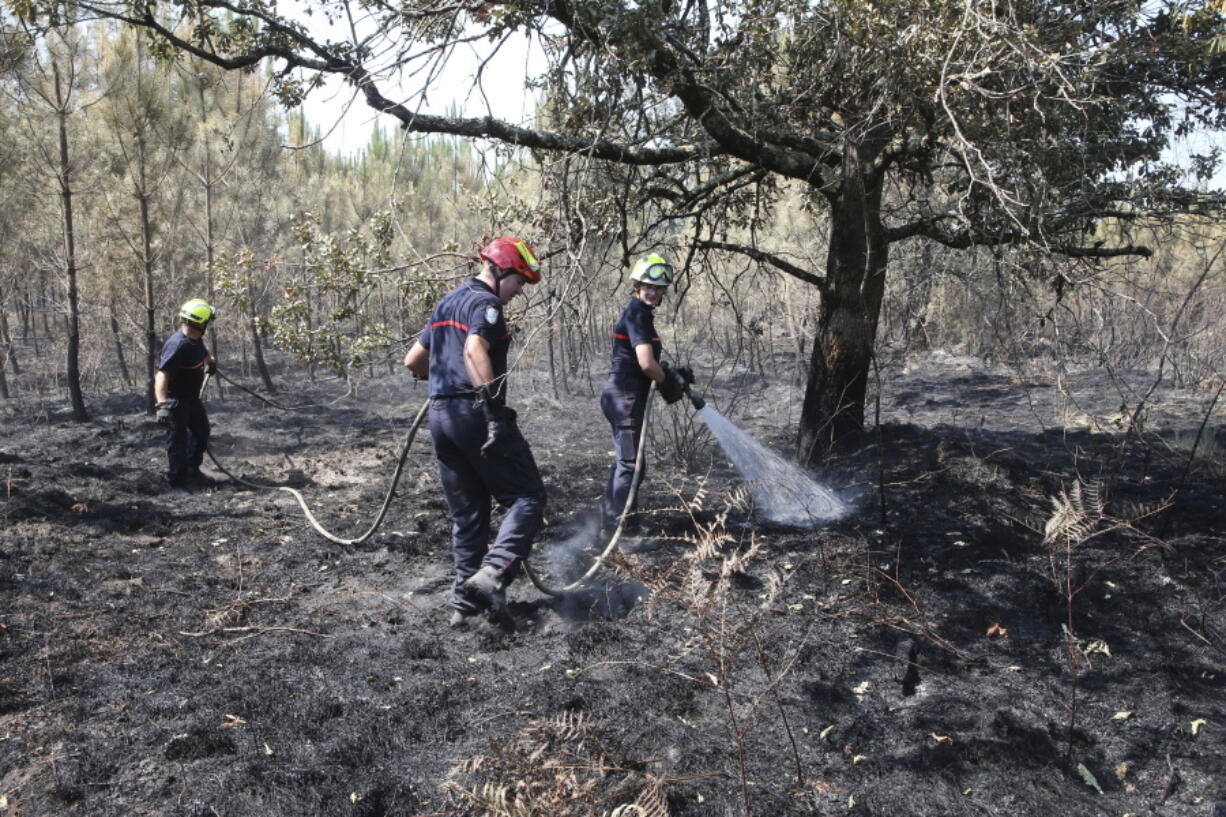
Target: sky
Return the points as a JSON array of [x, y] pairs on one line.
[[347, 122]]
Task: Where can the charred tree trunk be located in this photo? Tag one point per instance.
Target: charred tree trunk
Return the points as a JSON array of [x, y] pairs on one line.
[[119, 356], [5, 344], [833, 413], [151, 338], [73, 322], [6, 337], [210, 245], [256, 345]]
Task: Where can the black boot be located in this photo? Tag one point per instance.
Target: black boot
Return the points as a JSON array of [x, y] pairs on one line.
[[485, 588], [199, 479]]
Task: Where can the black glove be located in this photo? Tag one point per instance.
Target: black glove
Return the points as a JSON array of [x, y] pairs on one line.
[[211, 367], [500, 420], [686, 374], [501, 431], [490, 399], [166, 410], [671, 387]]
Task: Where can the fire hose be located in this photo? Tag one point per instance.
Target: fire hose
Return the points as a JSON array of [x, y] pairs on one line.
[[635, 480], [410, 435], [297, 495]]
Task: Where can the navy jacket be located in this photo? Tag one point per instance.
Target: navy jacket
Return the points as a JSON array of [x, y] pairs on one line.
[[636, 326], [470, 309], [183, 361]]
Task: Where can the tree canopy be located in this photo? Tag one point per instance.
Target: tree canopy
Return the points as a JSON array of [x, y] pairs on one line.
[[1025, 124]]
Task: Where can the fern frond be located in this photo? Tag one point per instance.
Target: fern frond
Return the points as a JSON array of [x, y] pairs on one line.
[[1064, 516], [705, 546], [570, 725], [738, 562], [1092, 498], [651, 801], [1073, 517]]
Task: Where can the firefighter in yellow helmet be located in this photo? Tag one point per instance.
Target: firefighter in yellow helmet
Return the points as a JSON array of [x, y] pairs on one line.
[[634, 365], [176, 386]]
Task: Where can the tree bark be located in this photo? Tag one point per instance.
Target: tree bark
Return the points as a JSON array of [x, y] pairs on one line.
[[10, 354], [256, 345], [257, 349], [5, 344], [832, 416], [209, 255], [74, 317], [151, 338], [119, 356]]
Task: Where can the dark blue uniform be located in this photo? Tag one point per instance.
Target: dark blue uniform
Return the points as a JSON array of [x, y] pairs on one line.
[[187, 436], [624, 401], [470, 479]]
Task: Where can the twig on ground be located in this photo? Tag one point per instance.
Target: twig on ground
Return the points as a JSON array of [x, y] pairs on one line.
[[253, 630], [1188, 627]]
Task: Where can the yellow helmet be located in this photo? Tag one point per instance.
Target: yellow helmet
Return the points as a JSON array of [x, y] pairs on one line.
[[197, 312], [652, 269]]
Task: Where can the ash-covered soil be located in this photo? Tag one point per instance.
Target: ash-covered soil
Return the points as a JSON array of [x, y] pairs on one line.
[[209, 654]]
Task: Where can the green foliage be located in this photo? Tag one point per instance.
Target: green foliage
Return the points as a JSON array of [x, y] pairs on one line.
[[321, 319]]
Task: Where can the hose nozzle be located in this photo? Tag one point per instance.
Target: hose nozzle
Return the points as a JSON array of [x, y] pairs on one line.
[[696, 399]]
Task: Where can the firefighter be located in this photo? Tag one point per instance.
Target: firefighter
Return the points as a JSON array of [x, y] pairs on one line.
[[482, 455], [176, 387], [635, 364]]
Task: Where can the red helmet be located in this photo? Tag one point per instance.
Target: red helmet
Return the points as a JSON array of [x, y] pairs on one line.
[[514, 255]]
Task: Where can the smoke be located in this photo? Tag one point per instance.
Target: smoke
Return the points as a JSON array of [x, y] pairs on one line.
[[568, 559], [783, 492]]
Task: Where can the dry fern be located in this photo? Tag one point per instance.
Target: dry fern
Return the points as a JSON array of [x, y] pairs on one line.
[[651, 801], [557, 766], [1075, 515], [774, 586]]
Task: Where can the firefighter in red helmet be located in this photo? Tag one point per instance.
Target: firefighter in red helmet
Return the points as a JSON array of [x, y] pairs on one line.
[[482, 456]]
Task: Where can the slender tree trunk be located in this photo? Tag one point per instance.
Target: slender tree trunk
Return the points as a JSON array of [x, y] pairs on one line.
[[256, 345], [550, 338], [42, 303], [119, 356], [6, 337], [209, 250], [73, 368], [257, 349], [5, 344], [309, 311], [151, 338], [833, 412], [27, 316]]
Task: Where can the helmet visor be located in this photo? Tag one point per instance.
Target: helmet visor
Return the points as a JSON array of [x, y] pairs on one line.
[[658, 275]]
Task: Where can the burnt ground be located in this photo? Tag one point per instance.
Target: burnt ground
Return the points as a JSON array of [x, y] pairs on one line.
[[208, 654]]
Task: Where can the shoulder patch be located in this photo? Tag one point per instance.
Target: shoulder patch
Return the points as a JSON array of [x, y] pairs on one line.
[[491, 315]]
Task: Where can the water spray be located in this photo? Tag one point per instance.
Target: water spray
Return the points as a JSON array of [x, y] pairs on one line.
[[783, 492]]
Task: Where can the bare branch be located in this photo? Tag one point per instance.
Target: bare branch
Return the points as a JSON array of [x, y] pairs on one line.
[[766, 258]]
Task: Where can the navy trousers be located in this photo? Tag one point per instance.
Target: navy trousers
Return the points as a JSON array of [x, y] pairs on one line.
[[187, 438], [624, 406], [471, 480]]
